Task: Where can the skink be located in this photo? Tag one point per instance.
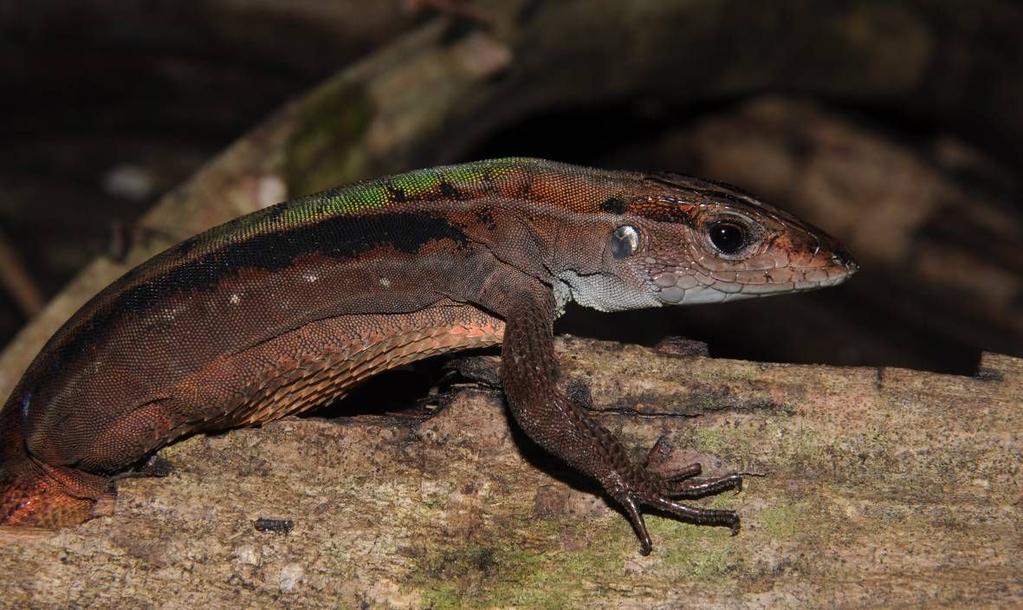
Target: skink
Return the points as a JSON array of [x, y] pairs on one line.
[[290, 307]]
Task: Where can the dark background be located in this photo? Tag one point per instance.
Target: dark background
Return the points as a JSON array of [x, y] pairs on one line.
[[108, 105]]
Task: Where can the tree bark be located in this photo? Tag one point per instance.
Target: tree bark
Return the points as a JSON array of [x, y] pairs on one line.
[[882, 487]]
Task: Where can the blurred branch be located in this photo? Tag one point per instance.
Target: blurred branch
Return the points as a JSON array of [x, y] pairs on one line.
[[17, 281]]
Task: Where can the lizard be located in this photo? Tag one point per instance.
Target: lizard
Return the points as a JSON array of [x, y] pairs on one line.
[[287, 308]]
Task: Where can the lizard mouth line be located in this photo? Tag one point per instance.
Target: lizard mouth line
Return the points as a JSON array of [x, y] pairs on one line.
[[696, 290]]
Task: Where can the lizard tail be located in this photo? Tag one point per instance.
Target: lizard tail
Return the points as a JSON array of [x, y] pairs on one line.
[[33, 494], [36, 494]]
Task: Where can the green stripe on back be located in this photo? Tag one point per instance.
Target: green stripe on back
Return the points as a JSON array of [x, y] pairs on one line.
[[470, 179]]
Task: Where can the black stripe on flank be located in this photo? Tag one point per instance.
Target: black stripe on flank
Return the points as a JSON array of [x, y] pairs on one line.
[[341, 237]]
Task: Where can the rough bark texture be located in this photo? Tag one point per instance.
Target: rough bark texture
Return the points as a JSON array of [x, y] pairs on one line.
[[883, 487]]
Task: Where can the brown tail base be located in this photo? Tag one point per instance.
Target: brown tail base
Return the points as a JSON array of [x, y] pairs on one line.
[[33, 494]]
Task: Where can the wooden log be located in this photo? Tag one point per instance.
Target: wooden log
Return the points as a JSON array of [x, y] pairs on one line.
[[883, 487]]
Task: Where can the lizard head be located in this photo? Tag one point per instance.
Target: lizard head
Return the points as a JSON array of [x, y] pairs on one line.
[[687, 241]]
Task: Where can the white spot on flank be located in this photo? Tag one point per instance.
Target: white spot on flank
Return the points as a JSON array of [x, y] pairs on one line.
[[234, 299], [386, 283], [310, 277]]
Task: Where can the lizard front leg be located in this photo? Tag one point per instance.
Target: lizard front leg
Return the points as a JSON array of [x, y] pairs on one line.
[[560, 425]]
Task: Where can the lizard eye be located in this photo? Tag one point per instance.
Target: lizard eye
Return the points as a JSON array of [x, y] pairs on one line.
[[728, 237], [624, 241]]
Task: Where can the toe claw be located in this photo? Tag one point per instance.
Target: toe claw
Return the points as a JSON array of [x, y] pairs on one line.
[[636, 519]]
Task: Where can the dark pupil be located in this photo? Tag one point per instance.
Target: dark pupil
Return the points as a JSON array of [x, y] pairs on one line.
[[727, 237]]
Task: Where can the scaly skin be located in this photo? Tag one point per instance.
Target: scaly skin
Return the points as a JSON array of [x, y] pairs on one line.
[[288, 308]]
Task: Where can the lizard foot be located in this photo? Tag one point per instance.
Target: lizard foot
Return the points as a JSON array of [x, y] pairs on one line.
[[658, 489]]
